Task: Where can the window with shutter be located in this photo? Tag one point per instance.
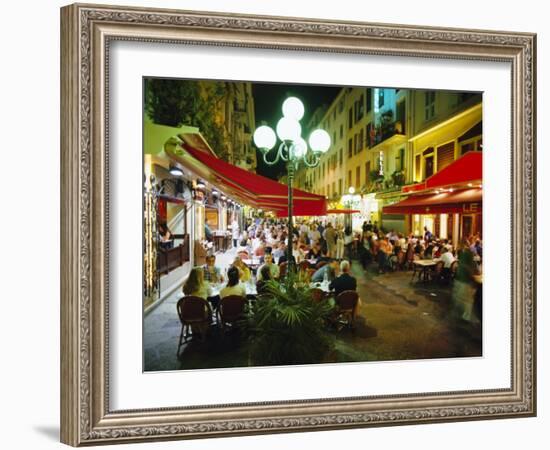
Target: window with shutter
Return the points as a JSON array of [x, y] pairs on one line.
[[417, 168], [445, 155]]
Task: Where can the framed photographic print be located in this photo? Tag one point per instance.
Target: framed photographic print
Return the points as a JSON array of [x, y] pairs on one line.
[[277, 224]]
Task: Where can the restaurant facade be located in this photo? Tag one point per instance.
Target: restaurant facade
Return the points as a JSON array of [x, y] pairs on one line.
[[446, 162], [199, 197]]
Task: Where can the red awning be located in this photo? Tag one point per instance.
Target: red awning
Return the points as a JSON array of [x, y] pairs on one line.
[[250, 188], [466, 169], [466, 201], [342, 211]]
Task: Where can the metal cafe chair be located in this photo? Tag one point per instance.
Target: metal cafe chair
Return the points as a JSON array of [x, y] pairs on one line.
[[194, 314]]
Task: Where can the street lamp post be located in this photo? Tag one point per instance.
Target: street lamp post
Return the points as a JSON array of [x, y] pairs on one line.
[[293, 149]]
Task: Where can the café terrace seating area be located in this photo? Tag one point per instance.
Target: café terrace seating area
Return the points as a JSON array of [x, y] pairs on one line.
[[216, 332], [198, 316]]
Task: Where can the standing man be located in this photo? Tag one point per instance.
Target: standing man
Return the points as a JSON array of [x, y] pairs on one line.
[[427, 234], [235, 231], [330, 238]]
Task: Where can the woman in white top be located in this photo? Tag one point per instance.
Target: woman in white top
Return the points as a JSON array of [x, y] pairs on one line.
[[297, 252], [234, 287], [339, 243]]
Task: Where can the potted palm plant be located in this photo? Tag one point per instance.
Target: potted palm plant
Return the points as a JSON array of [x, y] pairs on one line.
[[286, 326]]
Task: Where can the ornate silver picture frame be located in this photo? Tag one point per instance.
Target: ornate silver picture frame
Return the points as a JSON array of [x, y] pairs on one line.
[[87, 32]]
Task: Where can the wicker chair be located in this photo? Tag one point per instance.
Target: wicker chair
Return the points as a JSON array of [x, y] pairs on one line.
[[282, 269], [231, 310], [195, 314], [317, 295], [346, 304], [401, 260], [454, 267], [437, 273]]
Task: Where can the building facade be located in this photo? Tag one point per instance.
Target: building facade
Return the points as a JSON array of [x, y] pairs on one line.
[[384, 139], [446, 126], [368, 146], [235, 116]]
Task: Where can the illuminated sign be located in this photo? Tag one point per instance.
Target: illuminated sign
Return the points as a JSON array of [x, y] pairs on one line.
[[470, 208]]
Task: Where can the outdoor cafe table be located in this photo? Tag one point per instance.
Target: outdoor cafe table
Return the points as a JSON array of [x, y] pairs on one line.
[[324, 286], [249, 287], [424, 266], [253, 263]]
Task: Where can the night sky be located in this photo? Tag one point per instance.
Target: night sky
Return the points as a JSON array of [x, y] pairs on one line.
[[268, 101]]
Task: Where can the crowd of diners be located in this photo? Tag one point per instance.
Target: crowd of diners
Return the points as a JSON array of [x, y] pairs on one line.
[[323, 253]]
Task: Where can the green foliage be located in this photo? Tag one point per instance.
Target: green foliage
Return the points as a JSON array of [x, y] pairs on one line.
[[287, 327], [374, 176], [172, 102], [398, 177], [186, 102]]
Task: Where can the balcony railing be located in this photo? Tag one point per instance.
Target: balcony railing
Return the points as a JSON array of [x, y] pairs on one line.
[[377, 183], [384, 132]]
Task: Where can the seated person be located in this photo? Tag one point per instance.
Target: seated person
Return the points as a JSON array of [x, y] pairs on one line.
[[429, 250], [196, 286], [344, 282], [385, 250], [273, 268], [447, 259], [268, 251], [393, 260], [260, 250], [419, 249], [165, 236], [244, 271], [243, 252], [324, 256], [212, 272], [330, 270], [234, 287], [315, 252], [436, 252], [297, 252], [279, 251], [283, 259], [263, 278]]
